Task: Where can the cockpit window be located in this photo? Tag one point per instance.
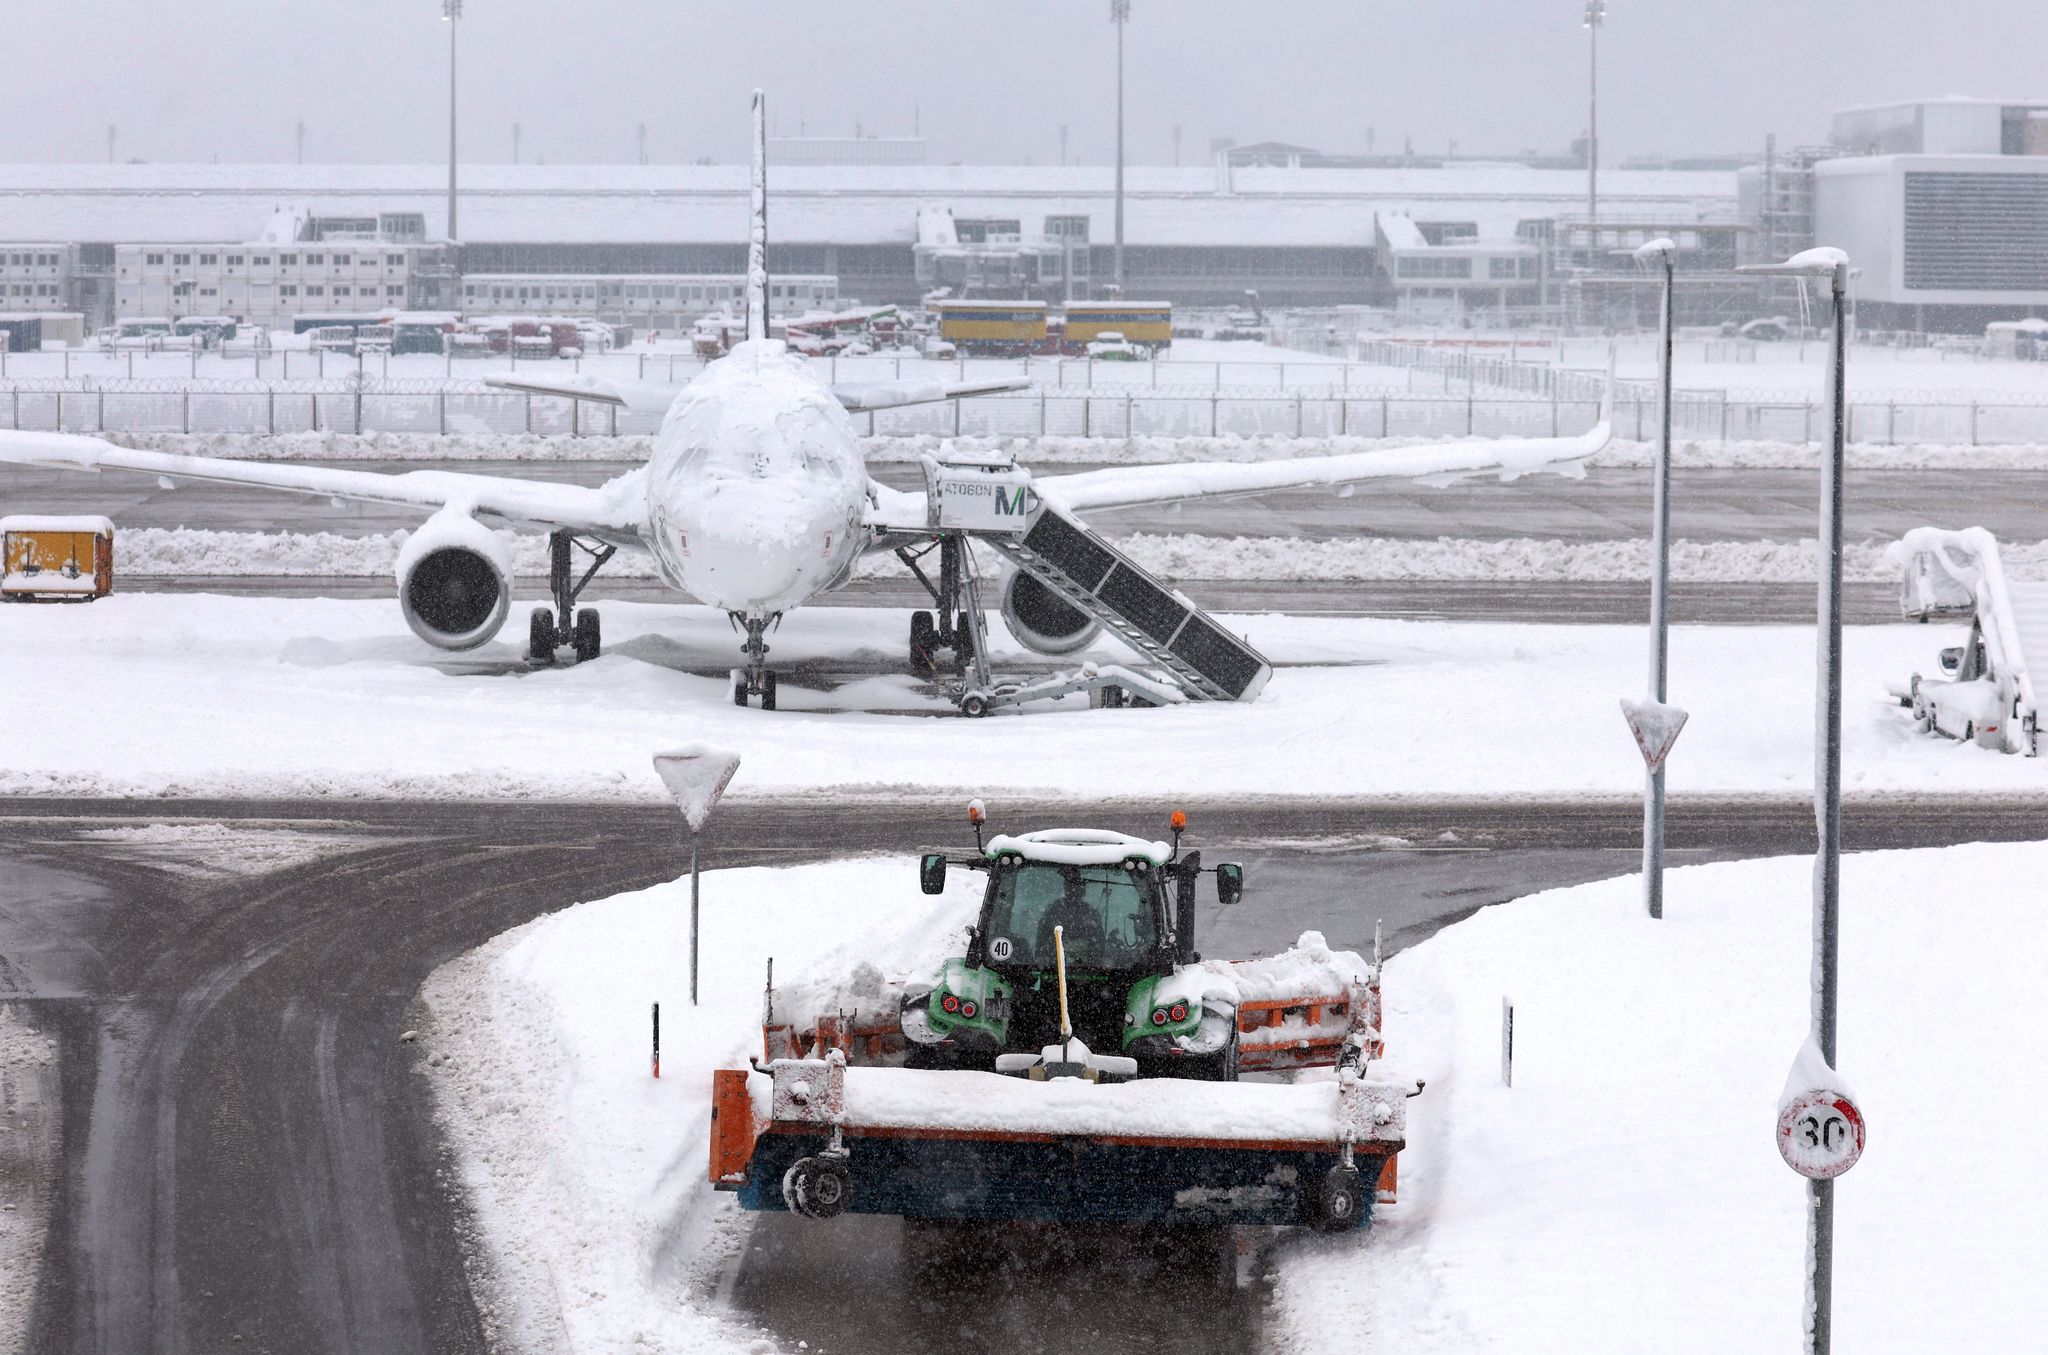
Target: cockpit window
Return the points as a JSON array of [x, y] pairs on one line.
[[1106, 911]]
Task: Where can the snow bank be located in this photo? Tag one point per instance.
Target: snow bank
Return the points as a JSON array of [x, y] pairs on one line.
[[598, 1228], [1627, 1195], [158, 552]]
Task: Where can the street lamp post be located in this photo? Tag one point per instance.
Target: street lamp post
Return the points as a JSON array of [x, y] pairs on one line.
[[1596, 12], [1832, 264], [451, 10], [1119, 14]]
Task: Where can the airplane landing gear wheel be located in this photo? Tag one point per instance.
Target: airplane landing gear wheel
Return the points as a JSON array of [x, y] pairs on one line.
[[817, 1187], [739, 687], [586, 639], [924, 638], [540, 636], [768, 691]]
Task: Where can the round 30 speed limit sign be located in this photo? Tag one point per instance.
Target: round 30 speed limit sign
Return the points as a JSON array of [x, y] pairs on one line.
[[1820, 1135]]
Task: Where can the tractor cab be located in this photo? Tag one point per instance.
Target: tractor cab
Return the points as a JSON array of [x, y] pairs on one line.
[[1107, 917]]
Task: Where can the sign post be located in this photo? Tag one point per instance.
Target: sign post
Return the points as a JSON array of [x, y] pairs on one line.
[[696, 775], [1815, 1066], [1662, 250]]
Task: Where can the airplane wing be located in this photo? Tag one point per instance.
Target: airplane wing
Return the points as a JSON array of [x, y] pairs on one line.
[[867, 395], [642, 397], [612, 512], [1443, 463], [650, 397]]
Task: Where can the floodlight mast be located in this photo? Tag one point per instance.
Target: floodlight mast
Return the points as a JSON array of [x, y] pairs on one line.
[[451, 10], [1832, 264], [1119, 14], [1596, 14]]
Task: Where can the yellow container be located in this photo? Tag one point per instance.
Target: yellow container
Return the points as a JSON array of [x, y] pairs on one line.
[[56, 559]]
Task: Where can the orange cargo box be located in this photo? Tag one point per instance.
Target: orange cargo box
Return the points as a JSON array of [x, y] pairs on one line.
[[56, 559]]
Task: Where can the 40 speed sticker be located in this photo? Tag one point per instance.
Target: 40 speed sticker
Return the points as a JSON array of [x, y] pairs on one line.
[[1000, 947], [1820, 1134]]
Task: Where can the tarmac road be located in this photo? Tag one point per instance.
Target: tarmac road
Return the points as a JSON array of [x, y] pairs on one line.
[[1607, 505], [246, 1152]]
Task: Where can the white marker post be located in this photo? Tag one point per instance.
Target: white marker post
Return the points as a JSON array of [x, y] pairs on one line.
[[696, 775], [1832, 264]]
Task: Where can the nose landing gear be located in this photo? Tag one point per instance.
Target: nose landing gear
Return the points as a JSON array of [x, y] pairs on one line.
[[757, 678]]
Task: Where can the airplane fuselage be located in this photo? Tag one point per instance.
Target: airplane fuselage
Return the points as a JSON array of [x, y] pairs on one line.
[[756, 488]]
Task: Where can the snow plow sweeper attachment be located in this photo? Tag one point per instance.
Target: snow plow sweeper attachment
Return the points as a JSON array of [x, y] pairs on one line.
[[1080, 1063]]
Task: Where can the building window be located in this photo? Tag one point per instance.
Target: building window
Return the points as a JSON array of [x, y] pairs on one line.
[[181, 260], [209, 259], [156, 259], [234, 260], [341, 260], [394, 260], [316, 258], [288, 260], [288, 289], [341, 291], [394, 291], [315, 289]]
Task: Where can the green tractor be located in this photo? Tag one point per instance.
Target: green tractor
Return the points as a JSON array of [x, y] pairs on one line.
[[1084, 950]]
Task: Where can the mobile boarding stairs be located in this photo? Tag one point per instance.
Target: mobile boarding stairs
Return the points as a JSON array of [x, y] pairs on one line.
[[990, 498]]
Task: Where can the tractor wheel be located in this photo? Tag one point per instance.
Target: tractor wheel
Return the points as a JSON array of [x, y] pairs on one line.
[[540, 636], [816, 1187], [974, 705], [768, 691], [588, 643], [924, 638], [1333, 1202]]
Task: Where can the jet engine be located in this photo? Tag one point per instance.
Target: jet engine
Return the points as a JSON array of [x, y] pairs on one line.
[[1042, 620], [454, 581]]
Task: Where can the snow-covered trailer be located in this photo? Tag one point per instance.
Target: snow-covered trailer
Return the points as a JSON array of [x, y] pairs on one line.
[[56, 559]]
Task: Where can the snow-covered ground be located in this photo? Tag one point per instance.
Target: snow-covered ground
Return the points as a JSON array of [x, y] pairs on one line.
[[277, 696], [1626, 1195], [587, 1175]]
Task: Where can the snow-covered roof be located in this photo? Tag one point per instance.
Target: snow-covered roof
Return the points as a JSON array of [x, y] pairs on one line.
[[864, 204], [1079, 847], [30, 522]]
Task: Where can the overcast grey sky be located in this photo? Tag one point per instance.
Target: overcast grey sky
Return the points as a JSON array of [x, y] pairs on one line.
[[987, 80]]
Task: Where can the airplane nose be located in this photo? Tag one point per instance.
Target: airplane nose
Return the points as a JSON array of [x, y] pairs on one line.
[[760, 561]]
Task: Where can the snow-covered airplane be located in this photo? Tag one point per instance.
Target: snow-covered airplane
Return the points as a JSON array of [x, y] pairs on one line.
[[756, 499]]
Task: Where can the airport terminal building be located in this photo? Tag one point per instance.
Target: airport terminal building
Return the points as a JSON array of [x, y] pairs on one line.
[[1942, 203], [1298, 235]]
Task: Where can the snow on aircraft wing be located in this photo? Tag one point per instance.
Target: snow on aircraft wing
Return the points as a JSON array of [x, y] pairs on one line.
[[612, 512], [1443, 463], [644, 397], [651, 397], [868, 395]]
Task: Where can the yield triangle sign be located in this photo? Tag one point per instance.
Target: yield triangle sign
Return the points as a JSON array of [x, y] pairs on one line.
[[1655, 726], [696, 775]]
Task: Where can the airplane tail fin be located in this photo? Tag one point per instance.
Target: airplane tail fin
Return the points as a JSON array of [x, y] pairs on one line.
[[757, 231]]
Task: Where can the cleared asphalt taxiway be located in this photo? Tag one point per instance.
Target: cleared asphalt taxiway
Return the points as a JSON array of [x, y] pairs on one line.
[[246, 1160]]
